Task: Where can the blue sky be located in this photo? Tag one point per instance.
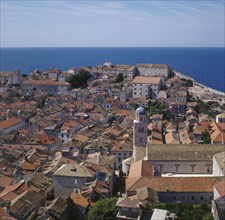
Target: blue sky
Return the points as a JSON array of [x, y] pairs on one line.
[[112, 23]]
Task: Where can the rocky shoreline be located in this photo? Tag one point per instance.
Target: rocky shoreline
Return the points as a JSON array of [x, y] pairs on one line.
[[203, 92]]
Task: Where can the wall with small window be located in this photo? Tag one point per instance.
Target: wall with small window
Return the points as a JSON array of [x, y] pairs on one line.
[[217, 171], [186, 197], [183, 167]]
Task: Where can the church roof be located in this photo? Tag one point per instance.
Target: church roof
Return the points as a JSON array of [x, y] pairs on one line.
[[141, 168], [173, 184], [140, 111], [183, 151]]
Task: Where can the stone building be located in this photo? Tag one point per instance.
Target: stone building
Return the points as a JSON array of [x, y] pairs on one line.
[[45, 87], [154, 70], [147, 87], [70, 178], [140, 136]]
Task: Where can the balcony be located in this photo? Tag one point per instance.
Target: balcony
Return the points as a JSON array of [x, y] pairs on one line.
[[128, 215]]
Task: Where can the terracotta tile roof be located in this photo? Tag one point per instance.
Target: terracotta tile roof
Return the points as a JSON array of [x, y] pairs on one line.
[[31, 188], [220, 159], [115, 132], [125, 112], [123, 146], [9, 122], [148, 194], [201, 127], [141, 168], [184, 151], [221, 126], [10, 196], [81, 138], [28, 166], [88, 106], [217, 134], [4, 215], [16, 105], [101, 160], [31, 199], [220, 187], [65, 160], [146, 80], [46, 139], [73, 170], [69, 124], [22, 147], [11, 188], [98, 186], [57, 208], [130, 203], [79, 200], [173, 184], [172, 138], [220, 138], [45, 82], [5, 180]]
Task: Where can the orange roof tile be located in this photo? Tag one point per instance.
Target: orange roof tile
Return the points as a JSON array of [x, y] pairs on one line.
[[10, 188], [81, 138], [172, 138], [173, 184], [5, 180], [70, 124], [146, 80], [29, 166], [220, 187], [4, 215], [141, 168], [9, 123], [79, 200], [45, 82]]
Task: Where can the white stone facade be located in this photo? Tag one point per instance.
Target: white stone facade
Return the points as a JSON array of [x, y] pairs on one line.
[[13, 125], [10, 78], [217, 171], [42, 87], [154, 70], [183, 167], [145, 88], [140, 132]]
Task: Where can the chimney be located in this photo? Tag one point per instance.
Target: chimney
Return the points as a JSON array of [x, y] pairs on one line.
[[8, 114], [7, 205]]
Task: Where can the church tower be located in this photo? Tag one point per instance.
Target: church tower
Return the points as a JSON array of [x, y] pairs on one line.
[[140, 134]]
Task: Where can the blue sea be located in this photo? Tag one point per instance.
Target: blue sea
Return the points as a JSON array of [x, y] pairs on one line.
[[206, 65]]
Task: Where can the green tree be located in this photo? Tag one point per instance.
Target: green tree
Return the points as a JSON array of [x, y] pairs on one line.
[[119, 78], [154, 107], [24, 75], [206, 137], [80, 79], [202, 107], [187, 82], [104, 209], [185, 211]]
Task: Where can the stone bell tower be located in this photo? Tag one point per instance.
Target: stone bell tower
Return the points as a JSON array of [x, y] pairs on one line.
[[140, 134]]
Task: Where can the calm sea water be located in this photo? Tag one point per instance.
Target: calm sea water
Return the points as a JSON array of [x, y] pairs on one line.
[[206, 65]]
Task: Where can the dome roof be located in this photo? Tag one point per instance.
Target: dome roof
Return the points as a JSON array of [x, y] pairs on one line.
[[108, 64], [140, 111]]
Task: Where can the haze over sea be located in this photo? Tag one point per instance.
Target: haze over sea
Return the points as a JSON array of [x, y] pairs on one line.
[[206, 65]]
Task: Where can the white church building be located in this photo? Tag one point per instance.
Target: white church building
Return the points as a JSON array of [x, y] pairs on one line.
[[177, 166]]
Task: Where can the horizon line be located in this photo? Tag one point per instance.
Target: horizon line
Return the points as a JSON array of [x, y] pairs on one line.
[[112, 47]]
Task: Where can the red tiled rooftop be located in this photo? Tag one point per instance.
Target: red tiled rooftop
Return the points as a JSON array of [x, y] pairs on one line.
[[9, 123], [45, 82]]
